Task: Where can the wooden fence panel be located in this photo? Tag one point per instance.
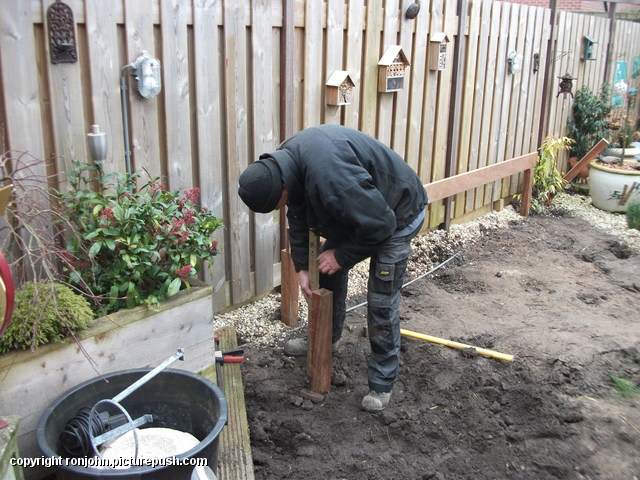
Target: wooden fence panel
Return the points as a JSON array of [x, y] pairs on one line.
[[219, 107]]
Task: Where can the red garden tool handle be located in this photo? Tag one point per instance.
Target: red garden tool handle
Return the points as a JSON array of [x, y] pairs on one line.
[[8, 291]]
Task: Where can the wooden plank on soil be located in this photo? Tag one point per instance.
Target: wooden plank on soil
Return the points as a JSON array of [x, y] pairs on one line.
[[235, 461]]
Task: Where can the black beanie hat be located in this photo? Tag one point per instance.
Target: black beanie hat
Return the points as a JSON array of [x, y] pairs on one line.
[[261, 185]]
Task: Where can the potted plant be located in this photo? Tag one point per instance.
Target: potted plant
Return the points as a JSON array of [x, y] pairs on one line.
[[614, 179]]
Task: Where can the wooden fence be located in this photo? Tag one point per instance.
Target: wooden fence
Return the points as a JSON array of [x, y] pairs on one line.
[[239, 76]]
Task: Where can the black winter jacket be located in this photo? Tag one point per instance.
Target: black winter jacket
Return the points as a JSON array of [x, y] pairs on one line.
[[349, 188]]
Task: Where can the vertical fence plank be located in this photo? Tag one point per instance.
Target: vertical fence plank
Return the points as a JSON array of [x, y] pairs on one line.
[[428, 138], [418, 93], [517, 40], [265, 139], [175, 55], [209, 120], [355, 26], [468, 94], [370, 67], [475, 147], [493, 92], [143, 118], [501, 99], [104, 67], [333, 59], [531, 107], [235, 83], [314, 76]]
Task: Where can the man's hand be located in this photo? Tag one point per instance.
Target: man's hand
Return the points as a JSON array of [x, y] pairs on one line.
[[327, 263], [303, 280]]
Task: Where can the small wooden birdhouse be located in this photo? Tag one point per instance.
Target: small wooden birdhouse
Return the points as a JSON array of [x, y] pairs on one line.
[[339, 88], [588, 48], [392, 69], [438, 51]]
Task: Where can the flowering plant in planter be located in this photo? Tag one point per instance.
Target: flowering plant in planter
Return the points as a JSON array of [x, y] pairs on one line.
[[132, 245]]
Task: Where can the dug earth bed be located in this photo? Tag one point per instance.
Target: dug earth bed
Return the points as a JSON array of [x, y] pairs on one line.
[[559, 295]]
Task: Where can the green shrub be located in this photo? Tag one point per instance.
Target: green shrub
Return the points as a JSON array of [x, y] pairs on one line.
[[43, 313], [589, 122], [131, 245], [633, 215], [547, 179]]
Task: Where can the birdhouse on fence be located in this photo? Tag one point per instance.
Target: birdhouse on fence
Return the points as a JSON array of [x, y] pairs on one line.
[[588, 48], [339, 88], [438, 51], [392, 69]]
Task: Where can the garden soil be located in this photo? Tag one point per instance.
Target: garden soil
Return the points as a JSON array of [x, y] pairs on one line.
[[559, 295]]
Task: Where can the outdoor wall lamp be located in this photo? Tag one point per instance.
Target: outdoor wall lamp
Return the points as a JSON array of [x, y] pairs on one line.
[[566, 85], [514, 62], [97, 141], [588, 43], [412, 10], [146, 70]]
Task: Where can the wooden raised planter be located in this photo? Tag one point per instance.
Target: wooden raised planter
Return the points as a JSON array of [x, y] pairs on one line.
[[134, 338]]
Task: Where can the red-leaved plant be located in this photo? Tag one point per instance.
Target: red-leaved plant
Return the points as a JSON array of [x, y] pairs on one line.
[[132, 245]]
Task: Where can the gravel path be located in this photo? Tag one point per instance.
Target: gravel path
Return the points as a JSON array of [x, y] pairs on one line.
[[259, 322]]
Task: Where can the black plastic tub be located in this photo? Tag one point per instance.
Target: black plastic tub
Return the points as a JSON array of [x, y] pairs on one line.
[[177, 399]]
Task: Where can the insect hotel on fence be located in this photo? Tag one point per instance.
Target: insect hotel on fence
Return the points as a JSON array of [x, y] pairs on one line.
[[438, 51], [392, 69], [339, 88]]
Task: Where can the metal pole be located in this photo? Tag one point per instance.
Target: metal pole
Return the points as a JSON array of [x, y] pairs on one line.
[[125, 118], [612, 32]]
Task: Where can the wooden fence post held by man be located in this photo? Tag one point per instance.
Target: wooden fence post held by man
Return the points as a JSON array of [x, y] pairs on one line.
[[319, 355]]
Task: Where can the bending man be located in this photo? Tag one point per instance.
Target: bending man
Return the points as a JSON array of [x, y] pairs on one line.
[[365, 201]]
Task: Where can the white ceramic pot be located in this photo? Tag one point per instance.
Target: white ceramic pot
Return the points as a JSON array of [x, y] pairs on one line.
[[613, 189], [629, 153]]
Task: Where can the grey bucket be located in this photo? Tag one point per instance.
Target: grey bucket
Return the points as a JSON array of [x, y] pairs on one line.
[[177, 399]]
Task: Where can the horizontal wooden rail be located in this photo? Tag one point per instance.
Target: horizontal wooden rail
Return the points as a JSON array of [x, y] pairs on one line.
[[450, 186]]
